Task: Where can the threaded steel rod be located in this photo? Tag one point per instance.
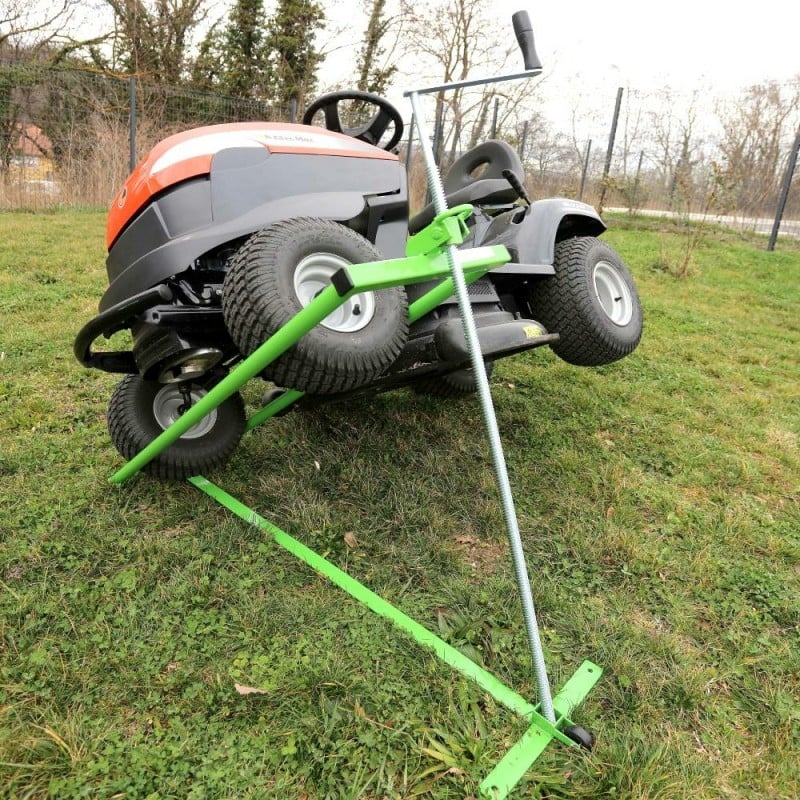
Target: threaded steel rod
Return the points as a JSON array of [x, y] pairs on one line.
[[501, 472]]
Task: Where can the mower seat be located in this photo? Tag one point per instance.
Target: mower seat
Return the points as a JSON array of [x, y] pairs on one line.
[[463, 185]]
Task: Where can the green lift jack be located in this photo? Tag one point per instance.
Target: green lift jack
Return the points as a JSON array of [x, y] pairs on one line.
[[427, 261], [433, 254]]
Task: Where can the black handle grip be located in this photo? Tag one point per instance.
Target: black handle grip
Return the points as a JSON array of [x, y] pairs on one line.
[[516, 185], [524, 31]]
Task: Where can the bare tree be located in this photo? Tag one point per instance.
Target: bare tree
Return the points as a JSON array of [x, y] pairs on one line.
[[544, 149], [25, 26], [153, 36], [757, 131], [26, 33], [674, 143], [461, 39], [631, 139]]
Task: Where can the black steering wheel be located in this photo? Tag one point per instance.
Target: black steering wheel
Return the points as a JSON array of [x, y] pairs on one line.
[[372, 132]]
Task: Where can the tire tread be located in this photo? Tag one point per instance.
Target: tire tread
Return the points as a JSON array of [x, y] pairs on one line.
[[255, 308]]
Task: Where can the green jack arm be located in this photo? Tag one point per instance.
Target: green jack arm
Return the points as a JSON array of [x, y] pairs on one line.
[[368, 276]]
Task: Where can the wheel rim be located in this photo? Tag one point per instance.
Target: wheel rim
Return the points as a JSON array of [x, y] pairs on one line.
[[313, 274], [169, 406], [613, 293]]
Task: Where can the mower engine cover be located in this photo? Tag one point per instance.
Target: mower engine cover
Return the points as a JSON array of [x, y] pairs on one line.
[[199, 190]]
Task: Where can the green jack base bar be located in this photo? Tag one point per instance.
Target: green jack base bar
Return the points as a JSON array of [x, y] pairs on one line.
[[513, 766]]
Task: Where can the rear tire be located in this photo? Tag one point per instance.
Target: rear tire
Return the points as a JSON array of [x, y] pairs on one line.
[[591, 302], [580, 736], [279, 271], [141, 410]]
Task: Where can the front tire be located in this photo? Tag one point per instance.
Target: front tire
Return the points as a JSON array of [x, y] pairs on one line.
[[591, 302], [279, 271], [141, 410]]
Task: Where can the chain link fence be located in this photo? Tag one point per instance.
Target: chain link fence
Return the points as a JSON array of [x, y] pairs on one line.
[[68, 135]]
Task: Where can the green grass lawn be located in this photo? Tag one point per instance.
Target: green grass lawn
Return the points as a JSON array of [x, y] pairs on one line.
[[658, 503]]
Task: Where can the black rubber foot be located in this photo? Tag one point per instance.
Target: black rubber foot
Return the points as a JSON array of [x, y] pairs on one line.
[[580, 736]]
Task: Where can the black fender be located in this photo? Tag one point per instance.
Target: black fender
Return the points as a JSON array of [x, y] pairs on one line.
[[167, 256], [531, 234], [247, 190]]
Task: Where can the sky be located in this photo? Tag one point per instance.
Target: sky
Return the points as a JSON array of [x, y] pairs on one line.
[[683, 43], [591, 47], [678, 42]]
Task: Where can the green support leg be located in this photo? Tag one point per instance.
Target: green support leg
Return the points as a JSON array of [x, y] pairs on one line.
[[512, 767], [289, 397], [519, 759]]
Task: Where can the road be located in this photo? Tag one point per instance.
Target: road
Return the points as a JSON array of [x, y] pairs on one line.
[[789, 227]]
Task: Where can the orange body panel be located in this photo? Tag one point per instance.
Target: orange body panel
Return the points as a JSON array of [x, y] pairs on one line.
[[189, 154]]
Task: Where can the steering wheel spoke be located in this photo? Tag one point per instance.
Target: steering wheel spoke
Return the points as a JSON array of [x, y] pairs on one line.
[[332, 119], [379, 123]]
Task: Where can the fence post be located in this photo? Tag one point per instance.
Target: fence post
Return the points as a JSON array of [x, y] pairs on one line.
[[635, 193], [610, 151], [132, 124], [438, 130], [787, 182], [410, 146], [524, 140], [293, 110], [585, 169]]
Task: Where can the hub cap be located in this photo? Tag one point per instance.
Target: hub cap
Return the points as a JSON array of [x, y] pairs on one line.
[[613, 293], [313, 274], [170, 404]]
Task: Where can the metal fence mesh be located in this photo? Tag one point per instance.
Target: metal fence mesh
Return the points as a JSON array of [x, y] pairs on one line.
[[67, 136]]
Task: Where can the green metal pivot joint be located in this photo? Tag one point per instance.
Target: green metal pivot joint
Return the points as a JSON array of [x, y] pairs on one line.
[[449, 227]]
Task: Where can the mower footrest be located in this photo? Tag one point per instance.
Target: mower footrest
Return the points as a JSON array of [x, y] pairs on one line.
[[496, 340]]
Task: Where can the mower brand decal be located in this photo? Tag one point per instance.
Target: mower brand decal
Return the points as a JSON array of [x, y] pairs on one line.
[[293, 138], [532, 331], [310, 140], [123, 196]]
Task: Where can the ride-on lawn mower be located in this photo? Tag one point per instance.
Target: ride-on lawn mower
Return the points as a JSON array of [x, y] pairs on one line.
[[223, 233], [286, 252]]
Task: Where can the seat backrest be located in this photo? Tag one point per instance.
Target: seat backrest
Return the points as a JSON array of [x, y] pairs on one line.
[[466, 182], [494, 155]]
